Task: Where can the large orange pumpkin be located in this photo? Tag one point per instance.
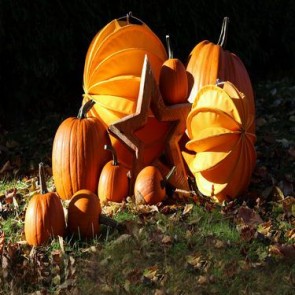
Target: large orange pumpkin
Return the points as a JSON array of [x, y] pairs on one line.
[[44, 217], [209, 62], [112, 75], [78, 153], [220, 126]]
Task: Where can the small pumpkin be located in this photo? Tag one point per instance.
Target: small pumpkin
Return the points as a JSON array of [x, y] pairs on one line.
[[78, 153], [209, 62], [150, 186], [173, 82], [220, 126], [44, 218], [113, 184], [83, 214]]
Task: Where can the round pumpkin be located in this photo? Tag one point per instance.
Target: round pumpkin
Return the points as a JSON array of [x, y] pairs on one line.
[[113, 182], [149, 186], [83, 214], [78, 153], [209, 62], [112, 75], [173, 82], [219, 127], [44, 218]]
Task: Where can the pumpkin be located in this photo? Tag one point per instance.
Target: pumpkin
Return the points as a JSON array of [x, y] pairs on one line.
[[44, 218], [113, 182], [112, 75], [219, 127], [173, 79], [83, 214], [209, 62], [78, 153], [150, 186]]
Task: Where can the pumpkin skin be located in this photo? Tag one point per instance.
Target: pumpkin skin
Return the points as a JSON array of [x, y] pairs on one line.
[[220, 130], [149, 186], [44, 218], [173, 82], [208, 62], [113, 182], [78, 154], [112, 75], [83, 214]]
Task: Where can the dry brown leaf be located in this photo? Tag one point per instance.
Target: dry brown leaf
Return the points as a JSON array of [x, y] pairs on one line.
[[248, 216]]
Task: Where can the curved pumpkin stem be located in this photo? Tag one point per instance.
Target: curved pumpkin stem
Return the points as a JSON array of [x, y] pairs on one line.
[[114, 154], [168, 176], [128, 16], [170, 53], [43, 187], [85, 108], [223, 34]]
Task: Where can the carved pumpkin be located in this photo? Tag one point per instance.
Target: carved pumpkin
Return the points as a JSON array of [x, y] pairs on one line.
[[112, 75], [44, 217], [113, 182], [78, 153], [220, 126], [173, 79], [209, 62], [83, 214]]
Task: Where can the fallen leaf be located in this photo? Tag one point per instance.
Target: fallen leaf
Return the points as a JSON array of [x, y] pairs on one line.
[[187, 209], [2, 241], [248, 216], [167, 240]]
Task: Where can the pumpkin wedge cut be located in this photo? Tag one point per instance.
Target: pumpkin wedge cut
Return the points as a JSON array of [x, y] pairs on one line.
[[222, 139], [124, 62]]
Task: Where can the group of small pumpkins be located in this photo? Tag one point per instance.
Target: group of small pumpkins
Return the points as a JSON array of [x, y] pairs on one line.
[[219, 152]]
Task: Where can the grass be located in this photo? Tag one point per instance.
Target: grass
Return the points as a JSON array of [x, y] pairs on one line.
[[192, 247]]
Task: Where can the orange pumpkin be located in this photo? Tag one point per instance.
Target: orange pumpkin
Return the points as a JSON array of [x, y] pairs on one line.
[[149, 187], [113, 182], [209, 62], [173, 82], [112, 75], [219, 127], [44, 217], [83, 214], [78, 153]]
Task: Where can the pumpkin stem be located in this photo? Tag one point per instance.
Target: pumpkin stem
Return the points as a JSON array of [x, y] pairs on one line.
[[128, 16], [85, 108], [170, 53], [168, 176], [223, 34], [114, 154], [43, 187]]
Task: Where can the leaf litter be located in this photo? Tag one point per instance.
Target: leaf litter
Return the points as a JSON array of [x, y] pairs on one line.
[[184, 241]]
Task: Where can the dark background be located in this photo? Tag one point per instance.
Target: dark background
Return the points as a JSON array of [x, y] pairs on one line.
[[43, 43]]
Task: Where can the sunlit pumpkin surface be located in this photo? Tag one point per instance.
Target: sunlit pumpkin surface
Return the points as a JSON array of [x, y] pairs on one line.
[[219, 127], [112, 75], [83, 214]]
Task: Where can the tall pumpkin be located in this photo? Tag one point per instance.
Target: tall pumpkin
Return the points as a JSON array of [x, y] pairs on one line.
[[173, 82], [44, 217], [209, 62], [220, 126], [112, 75], [78, 153]]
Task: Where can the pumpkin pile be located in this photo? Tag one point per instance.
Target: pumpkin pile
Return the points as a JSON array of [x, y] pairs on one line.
[[217, 145]]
